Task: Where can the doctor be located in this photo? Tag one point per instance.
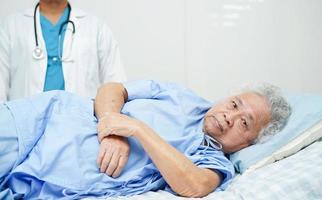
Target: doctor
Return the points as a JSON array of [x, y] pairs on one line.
[[55, 46]]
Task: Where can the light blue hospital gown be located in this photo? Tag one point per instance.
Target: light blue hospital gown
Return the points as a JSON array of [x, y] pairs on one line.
[[58, 143]]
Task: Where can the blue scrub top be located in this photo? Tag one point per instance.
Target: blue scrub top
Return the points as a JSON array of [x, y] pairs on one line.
[[54, 79]]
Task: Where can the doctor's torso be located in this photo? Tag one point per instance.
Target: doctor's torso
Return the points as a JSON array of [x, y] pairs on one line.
[[27, 74]]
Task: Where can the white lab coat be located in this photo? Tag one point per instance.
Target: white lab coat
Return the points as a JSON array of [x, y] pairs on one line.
[[95, 55]]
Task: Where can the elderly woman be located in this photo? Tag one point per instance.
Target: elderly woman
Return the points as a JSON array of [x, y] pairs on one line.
[[166, 137]]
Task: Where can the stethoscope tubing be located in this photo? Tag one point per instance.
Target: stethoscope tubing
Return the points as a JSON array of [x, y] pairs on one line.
[[38, 52]]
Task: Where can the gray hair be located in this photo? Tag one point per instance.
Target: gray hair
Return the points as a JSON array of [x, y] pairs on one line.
[[280, 110]]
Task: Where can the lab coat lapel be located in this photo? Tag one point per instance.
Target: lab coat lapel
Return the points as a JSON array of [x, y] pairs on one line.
[[43, 62], [68, 45], [69, 51], [40, 66]]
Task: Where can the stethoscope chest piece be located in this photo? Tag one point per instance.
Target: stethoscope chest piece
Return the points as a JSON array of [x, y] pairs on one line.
[[38, 53]]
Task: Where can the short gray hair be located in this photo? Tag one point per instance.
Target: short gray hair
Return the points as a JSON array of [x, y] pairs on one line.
[[280, 110]]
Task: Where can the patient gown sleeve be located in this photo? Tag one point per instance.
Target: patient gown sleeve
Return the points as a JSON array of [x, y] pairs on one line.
[[148, 89], [210, 158]]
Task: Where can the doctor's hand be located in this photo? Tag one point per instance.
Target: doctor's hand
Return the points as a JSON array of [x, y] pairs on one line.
[[117, 124], [113, 155]]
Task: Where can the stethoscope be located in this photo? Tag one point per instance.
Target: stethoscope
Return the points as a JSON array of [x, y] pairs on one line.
[[38, 52]]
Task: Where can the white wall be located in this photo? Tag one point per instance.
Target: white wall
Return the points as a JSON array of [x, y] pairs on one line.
[[212, 46], [255, 40]]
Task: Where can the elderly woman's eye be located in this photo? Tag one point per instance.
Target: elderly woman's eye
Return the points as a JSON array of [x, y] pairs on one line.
[[244, 122], [234, 104]]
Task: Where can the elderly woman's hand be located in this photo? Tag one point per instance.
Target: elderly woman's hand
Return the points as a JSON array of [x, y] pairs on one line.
[[113, 129], [118, 124], [113, 155]]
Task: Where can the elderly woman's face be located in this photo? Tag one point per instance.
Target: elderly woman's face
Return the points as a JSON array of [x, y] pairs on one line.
[[237, 121]]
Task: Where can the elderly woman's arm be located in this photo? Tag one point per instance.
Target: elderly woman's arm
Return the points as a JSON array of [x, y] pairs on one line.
[[114, 150], [110, 98], [183, 176]]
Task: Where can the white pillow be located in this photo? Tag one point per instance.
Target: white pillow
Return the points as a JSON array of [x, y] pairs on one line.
[[306, 113], [303, 140]]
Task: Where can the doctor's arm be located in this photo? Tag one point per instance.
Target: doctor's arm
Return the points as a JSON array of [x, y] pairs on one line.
[[183, 176], [4, 65]]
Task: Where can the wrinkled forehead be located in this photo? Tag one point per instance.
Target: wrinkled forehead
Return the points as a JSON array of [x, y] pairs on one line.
[[253, 99]]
